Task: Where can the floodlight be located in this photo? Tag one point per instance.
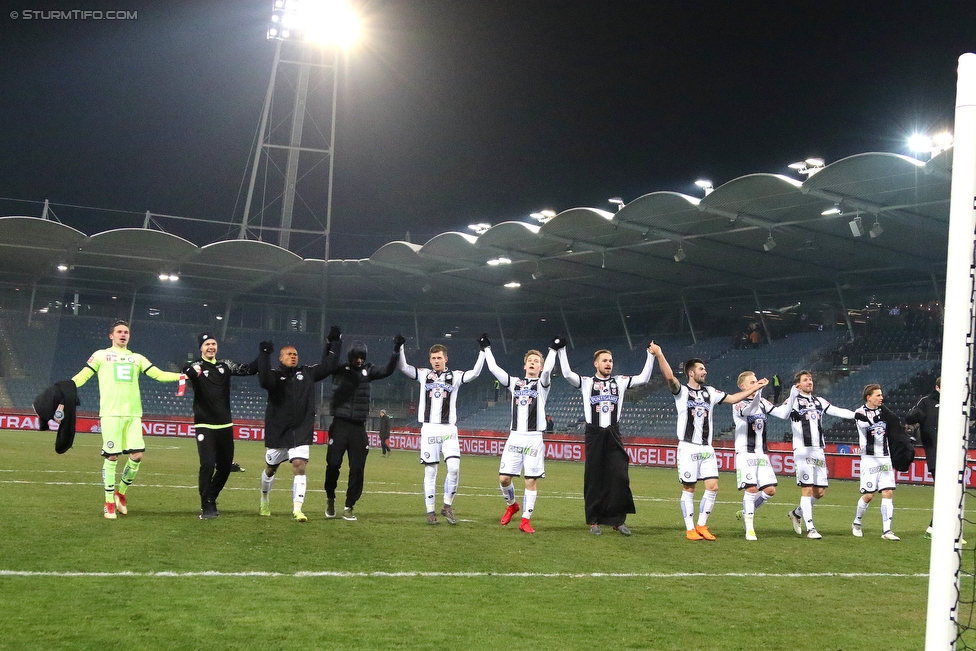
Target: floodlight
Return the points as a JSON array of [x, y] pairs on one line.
[[705, 185], [680, 254], [327, 22], [770, 243], [919, 143], [62, 267], [943, 140], [479, 228], [513, 285], [833, 210], [500, 260], [856, 229], [617, 201], [876, 230]]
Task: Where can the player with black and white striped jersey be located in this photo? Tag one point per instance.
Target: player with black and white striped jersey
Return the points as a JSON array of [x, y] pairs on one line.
[[525, 449], [606, 480], [753, 472], [877, 474], [806, 411], [437, 414], [695, 403]]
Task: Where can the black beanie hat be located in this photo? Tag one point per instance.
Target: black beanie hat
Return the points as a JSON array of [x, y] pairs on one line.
[[203, 337]]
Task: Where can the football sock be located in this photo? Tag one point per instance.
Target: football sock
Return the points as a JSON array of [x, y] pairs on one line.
[[806, 508], [430, 484], [887, 513], [862, 507], [688, 508], [528, 503], [705, 507], [452, 479], [108, 479], [298, 491], [508, 492], [128, 474]]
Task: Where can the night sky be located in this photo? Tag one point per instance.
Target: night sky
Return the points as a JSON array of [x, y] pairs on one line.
[[458, 111]]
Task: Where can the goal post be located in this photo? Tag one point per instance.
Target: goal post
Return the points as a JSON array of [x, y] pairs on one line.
[[941, 628]]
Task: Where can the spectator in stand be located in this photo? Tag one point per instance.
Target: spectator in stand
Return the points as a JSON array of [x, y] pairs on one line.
[[550, 426], [777, 388]]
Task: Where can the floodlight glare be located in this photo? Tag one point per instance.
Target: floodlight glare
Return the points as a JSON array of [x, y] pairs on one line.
[[513, 285], [834, 210], [327, 22], [497, 261], [479, 228], [62, 267], [943, 140]]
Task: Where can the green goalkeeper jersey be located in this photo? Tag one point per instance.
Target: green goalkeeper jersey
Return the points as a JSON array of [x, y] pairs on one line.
[[118, 373]]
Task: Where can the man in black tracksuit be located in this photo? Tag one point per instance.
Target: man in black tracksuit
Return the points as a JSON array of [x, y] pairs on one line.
[[347, 433], [926, 415], [210, 379], [290, 416]]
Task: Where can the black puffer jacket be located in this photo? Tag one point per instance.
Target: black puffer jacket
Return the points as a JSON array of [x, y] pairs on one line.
[[290, 416], [350, 398], [926, 415]]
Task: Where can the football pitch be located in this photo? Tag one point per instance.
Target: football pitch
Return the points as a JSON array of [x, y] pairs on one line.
[[161, 578]]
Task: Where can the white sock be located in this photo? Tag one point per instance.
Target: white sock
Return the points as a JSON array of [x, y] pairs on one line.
[[749, 503], [806, 508], [266, 483], [705, 507], [430, 485], [862, 507], [298, 491], [508, 492], [452, 479], [528, 503], [887, 513], [687, 503]]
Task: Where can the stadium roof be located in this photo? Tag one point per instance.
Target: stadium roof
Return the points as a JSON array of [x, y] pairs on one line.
[[578, 260]]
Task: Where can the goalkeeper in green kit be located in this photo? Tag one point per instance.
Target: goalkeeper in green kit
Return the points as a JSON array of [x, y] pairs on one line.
[[120, 410]]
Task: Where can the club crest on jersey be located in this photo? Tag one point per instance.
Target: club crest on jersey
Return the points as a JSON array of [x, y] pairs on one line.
[[220, 369], [365, 372], [299, 376], [206, 373]]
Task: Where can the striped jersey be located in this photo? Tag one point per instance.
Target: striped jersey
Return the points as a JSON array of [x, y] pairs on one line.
[[872, 431], [695, 408], [603, 398], [439, 390], [528, 394], [750, 417], [806, 418]]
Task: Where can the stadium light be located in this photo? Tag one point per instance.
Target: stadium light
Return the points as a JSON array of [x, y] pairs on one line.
[[617, 201], [857, 230], [513, 285], [479, 228], [770, 243], [920, 143], [543, 216], [807, 167], [326, 22], [680, 254], [833, 210], [62, 267], [499, 260], [876, 229], [705, 185]]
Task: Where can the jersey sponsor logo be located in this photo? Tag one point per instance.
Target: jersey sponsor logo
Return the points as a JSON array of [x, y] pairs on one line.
[[604, 397], [110, 357], [701, 456], [878, 429], [438, 386], [816, 463], [124, 372]]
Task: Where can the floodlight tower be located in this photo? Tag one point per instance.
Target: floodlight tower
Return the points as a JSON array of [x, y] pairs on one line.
[[317, 30]]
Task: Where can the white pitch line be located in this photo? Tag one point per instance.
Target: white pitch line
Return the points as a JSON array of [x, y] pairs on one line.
[[469, 575]]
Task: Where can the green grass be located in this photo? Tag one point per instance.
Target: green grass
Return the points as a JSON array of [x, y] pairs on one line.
[[390, 581]]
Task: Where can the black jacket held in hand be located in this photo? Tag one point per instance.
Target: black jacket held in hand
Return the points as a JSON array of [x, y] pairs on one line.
[[289, 418]]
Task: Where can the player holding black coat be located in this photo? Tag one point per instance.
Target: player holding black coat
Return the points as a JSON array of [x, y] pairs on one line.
[[350, 410], [210, 379]]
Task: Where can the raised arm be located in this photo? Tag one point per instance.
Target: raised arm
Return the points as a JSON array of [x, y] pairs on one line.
[[472, 375], [559, 344], [732, 398], [666, 370], [546, 375], [503, 378], [377, 373], [406, 369], [784, 410], [753, 407], [160, 375], [266, 376], [839, 412], [645, 375]]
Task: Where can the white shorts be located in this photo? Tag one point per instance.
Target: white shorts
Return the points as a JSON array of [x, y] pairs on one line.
[[696, 462], [811, 467], [753, 469], [524, 450], [276, 456], [438, 440], [877, 474]]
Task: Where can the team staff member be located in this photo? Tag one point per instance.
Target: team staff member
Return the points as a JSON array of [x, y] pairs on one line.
[[925, 414], [210, 379], [525, 448], [289, 417], [120, 410], [350, 411], [607, 497]]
